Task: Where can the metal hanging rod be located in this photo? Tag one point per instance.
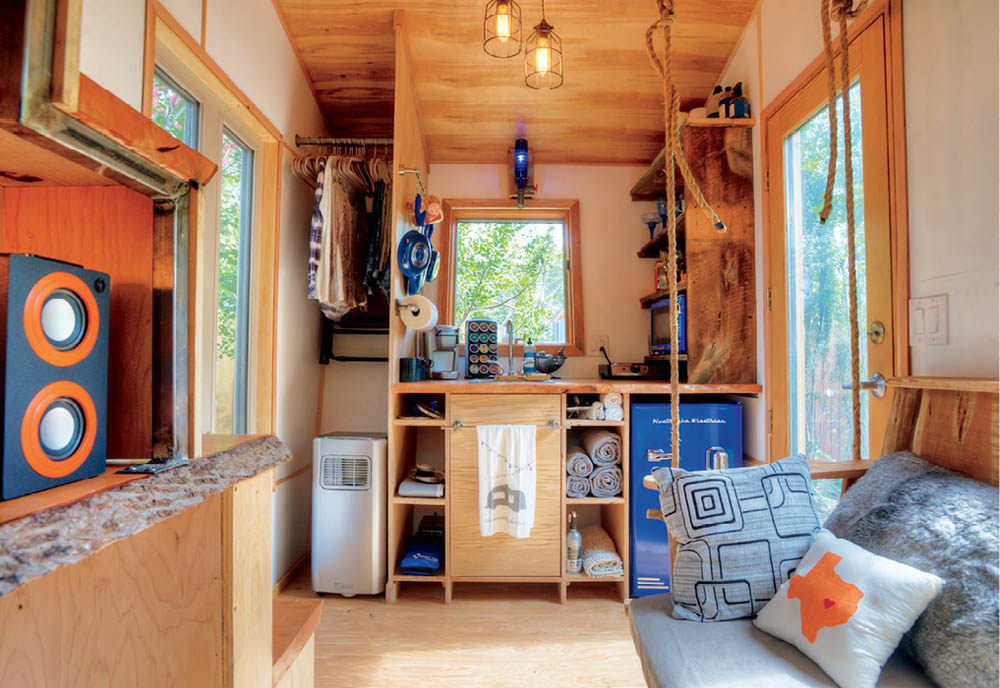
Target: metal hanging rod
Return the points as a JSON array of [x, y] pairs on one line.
[[326, 141], [551, 425], [420, 179]]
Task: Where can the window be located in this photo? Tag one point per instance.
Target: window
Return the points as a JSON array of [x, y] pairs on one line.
[[175, 109], [233, 286], [518, 265]]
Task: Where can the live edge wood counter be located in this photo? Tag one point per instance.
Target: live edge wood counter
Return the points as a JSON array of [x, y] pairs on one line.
[[564, 386], [161, 581]]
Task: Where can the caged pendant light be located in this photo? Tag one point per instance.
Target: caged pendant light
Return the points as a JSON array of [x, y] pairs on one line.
[[502, 28], [543, 56]]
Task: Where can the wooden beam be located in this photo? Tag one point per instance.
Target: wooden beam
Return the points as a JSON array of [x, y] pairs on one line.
[[954, 384], [66, 54]]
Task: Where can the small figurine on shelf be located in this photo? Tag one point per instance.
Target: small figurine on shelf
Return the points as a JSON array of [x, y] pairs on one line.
[[727, 97], [712, 104], [739, 106], [663, 271]]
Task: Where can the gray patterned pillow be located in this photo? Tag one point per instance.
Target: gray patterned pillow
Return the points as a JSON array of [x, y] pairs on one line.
[[740, 533]]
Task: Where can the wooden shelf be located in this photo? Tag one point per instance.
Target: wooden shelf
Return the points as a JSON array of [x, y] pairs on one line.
[[577, 501], [660, 294], [426, 501], [661, 240], [584, 578], [719, 122], [663, 358], [417, 579], [584, 423], [413, 421], [572, 386]]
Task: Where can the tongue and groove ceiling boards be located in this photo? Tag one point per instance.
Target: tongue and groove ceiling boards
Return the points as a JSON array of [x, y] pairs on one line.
[[609, 110]]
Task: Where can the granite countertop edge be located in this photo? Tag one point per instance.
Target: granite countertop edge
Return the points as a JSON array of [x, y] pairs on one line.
[[47, 540]]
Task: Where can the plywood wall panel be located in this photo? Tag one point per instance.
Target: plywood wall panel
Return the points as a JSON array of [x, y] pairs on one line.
[[108, 229], [144, 611]]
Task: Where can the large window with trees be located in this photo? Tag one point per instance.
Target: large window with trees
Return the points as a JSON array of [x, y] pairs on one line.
[[506, 264]]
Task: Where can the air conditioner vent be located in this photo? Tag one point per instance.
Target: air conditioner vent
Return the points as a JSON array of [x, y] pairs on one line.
[[346, 473]]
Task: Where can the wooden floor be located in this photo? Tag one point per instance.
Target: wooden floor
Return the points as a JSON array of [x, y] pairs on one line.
[[490, 635]]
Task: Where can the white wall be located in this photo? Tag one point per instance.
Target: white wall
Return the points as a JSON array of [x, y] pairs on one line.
[[246, 39], [952, 163]]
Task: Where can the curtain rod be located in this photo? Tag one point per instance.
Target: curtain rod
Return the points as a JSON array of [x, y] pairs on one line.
[[306, 141]]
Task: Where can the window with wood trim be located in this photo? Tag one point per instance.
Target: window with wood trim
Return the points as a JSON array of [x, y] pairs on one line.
[[503, 263]]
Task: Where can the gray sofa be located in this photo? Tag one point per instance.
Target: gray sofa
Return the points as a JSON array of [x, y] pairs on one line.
[[906, 509]]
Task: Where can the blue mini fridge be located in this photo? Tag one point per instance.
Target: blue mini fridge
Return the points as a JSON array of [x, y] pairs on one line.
[[711, 436]]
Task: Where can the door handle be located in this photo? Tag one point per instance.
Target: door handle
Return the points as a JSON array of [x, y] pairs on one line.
[[716, 459], [657, 455], [876, 385]]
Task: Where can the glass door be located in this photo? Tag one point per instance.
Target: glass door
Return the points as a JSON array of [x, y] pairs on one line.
[[809, 359]]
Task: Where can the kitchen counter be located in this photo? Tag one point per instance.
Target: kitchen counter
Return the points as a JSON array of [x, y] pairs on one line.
[[42, 532], [563, 386]]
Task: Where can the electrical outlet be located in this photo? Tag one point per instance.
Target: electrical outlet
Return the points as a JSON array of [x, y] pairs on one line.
[[595, 342], [929, 320]]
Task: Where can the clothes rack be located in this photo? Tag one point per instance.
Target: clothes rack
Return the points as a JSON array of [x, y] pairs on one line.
[[328, 141]]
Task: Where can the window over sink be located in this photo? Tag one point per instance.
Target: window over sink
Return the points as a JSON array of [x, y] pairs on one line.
[[505, 264]]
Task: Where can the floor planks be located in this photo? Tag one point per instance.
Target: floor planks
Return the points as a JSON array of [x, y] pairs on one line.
[[491, 635]]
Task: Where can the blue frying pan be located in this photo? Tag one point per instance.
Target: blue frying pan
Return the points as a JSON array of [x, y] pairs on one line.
[[413, 255]]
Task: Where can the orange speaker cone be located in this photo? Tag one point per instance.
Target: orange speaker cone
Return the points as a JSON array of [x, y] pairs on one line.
[[36, 457], [33, 319]]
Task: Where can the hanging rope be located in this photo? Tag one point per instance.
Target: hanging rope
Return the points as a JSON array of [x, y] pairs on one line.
[[842, 10], [674, 155]]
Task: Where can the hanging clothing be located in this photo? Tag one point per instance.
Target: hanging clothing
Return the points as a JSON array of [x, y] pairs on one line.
[[316, 234]]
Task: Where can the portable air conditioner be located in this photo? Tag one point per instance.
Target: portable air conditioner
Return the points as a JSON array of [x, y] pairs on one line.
[[348, 514]]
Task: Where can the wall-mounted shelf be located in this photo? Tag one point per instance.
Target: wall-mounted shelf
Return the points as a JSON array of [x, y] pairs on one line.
[[660, 294], [661, 241], [719, 122]]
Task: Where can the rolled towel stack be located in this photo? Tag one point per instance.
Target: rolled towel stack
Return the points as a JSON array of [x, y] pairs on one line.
[[613, 406], [578, 463], [577, 487], [600, 558], [602, 446], [606, 481]]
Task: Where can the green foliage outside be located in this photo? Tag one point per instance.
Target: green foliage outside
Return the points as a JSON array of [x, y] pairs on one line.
[[817, 262], [512, 270], [170, 108], [231, 185]]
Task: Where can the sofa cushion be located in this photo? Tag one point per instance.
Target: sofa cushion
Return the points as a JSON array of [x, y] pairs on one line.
[[847, 609], [734, 654], [740, 533], [938, 521]]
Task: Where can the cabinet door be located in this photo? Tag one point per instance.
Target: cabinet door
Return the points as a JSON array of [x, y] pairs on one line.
[[500, 554]]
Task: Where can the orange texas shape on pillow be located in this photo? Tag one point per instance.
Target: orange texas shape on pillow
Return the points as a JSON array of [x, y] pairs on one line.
[[825, 599]]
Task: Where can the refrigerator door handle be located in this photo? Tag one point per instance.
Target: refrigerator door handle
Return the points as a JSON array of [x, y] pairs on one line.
[[716, 459]]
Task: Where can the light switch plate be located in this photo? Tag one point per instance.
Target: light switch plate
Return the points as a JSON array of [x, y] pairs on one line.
[[929, 321]]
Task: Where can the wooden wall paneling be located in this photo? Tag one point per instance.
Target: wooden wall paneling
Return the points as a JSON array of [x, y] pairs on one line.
[[66, 54], [501, 555], [408, 152], [247, 553], [721, 310], [958, 430], [108, 229], [142, 611], [12, 14]]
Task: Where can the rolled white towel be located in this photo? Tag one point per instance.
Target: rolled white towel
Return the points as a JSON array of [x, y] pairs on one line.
[[603, 447], [606, 481], [614, 413], [578, 463], [577, 486], [611, 400]]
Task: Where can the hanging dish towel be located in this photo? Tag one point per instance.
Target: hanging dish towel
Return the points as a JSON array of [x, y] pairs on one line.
[[506, 479]]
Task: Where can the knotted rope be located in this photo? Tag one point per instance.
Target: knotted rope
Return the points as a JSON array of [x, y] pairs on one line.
[[842, 10], [674, 154]]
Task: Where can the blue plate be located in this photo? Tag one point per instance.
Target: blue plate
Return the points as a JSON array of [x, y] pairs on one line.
[[413, 256]]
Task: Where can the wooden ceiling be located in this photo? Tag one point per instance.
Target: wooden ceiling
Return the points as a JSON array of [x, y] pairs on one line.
[[610, 108]]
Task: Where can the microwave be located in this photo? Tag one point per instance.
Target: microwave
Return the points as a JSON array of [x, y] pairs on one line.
[[659, 326]]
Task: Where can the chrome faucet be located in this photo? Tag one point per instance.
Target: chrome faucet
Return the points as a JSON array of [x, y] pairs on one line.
[[510, 346]]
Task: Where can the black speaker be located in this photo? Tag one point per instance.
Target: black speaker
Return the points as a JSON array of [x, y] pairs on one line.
[[54, 363]]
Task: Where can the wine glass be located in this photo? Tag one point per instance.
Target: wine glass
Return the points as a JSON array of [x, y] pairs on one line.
[[662, 209], [650, 219]]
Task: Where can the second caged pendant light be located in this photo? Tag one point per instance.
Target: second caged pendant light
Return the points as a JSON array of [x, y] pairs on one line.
[[543, 56]]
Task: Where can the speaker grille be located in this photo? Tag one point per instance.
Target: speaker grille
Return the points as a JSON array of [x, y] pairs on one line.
[[345, 473]]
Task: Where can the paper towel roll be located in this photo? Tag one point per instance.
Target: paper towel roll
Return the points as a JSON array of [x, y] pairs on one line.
[[423, 317]]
